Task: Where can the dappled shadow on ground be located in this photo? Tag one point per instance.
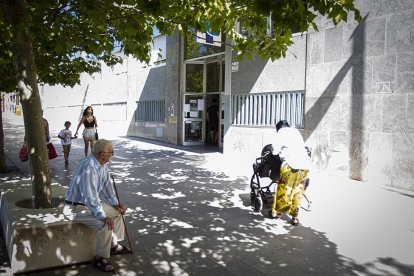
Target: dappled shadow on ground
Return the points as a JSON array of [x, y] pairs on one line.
[[184, 219], [13, 176]]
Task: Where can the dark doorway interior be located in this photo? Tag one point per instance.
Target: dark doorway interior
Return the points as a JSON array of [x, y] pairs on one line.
[[212, 120]]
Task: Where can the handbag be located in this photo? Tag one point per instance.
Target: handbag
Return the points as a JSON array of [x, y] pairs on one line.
[[23, 154], [96, 135], [51, 151]]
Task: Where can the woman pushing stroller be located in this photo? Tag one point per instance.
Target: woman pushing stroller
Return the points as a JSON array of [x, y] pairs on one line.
[[290, 147]]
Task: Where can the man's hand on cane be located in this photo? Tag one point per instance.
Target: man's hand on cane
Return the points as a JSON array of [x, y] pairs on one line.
[[121, 209]]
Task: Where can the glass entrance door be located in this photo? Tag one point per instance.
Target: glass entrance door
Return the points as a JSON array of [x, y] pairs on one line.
[[203, 86], [193, 119], [214, 88], [194, 104]]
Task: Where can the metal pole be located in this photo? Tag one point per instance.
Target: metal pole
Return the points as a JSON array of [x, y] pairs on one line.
[[123, 219]]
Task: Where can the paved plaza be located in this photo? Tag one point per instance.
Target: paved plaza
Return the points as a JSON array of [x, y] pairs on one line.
[[189, 213]]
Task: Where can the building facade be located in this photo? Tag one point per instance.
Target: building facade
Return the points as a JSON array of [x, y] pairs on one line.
[[349, 89]]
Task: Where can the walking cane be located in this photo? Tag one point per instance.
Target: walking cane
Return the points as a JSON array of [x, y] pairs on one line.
[[123, 219]]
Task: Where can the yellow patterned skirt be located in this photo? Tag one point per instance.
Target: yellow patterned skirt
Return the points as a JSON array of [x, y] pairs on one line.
[[289, 190]]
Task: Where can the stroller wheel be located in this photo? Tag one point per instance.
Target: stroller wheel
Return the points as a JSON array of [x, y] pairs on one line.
[[252, 196], [258, 204]]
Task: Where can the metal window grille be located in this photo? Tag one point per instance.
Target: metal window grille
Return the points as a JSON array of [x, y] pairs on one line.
[[268, 108], [150, 111]]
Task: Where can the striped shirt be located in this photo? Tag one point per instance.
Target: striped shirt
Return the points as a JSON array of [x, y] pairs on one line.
[[91, 184]]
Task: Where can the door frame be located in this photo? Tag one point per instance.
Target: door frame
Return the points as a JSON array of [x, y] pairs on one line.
[[202, 60]]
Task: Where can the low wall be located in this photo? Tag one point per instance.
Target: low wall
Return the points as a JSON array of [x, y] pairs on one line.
[[41, 238]]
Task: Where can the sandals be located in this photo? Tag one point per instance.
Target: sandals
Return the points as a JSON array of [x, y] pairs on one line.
[[103, 265], [277, 216], [294, 221], [124, 250]]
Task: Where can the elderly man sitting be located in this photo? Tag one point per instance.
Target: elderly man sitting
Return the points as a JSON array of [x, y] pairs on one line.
[[91, 200]]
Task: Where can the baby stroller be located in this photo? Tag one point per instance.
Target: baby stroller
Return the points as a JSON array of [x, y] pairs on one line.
[[267, 165]]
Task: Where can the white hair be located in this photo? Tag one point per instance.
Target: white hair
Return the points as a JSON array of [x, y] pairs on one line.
[[100, 146]]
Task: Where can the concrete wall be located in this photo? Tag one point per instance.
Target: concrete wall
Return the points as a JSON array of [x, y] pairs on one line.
[[114, 93], [160, 83], [172, 91], [359, 94], [261, 76], [151, 85], [359, 84]]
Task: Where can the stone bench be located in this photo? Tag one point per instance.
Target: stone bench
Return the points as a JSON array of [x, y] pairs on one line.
[[41, 238]]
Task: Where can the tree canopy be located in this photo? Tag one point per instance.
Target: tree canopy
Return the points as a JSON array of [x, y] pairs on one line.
[[72, 37]]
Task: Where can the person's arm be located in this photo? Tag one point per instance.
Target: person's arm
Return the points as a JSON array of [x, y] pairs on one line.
[[96, 122], [46, 123], [278, 144], [72, 137], [108, 192], [109, 195], [80, 123], [60, 135], [89, 189]]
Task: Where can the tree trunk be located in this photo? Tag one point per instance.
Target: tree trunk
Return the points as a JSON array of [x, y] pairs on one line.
[[25, 68], [3, 165]]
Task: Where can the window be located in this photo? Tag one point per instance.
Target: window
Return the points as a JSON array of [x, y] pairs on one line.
[[194, 49], [213, 77], [158, 52], [157, 58], [150, 111], [267, 109], [245, 30], [194, 78]]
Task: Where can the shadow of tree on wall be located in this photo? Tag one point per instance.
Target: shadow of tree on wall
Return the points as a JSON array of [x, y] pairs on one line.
[[322, 105]]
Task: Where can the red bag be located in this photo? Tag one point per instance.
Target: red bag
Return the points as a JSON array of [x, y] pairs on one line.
[[23, 155], [51, 151]]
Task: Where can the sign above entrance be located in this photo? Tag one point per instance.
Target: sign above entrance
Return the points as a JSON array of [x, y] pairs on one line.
[[235, 66], [209, 37]]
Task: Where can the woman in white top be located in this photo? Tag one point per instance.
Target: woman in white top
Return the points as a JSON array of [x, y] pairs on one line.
[[293, 172]]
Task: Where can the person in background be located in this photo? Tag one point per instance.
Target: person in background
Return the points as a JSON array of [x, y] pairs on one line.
[[293, 172], [65, 136], [47, 132], [213, 121], [91, 200], [90, 123]]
